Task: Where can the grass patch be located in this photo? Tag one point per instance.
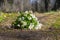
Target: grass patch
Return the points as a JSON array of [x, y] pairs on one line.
[[57, 23]]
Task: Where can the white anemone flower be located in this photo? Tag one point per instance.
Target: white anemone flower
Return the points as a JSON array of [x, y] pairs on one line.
[[39, 26], [25, 15], [36, 19], [31, 26], [18, 25], [22, 18], [31, 11], [24, 23], [29, 18], [26, 12], [33, 16]]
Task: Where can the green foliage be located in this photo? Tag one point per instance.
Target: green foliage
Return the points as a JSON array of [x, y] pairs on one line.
[[25, 20], [1, 18]]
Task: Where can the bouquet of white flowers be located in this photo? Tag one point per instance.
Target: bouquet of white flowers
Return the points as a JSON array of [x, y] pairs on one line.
[[26, 20]]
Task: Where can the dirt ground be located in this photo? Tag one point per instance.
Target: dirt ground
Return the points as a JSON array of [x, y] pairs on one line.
[[29, 35]]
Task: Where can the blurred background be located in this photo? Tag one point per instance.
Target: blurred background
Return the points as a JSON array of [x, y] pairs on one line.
[[34, 5]]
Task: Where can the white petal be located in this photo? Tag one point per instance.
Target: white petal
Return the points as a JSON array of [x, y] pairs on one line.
[[38, 26], [26, 12]]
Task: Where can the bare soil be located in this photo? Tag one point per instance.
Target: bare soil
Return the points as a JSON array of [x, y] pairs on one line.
[[29, 35]]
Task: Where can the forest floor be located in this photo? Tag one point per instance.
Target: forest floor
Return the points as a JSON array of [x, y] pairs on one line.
[[47, 19], [50, 20], [29, 35]]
